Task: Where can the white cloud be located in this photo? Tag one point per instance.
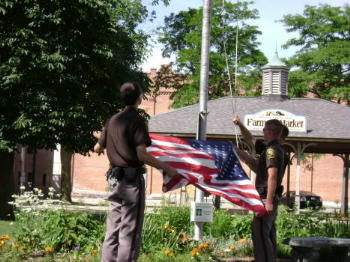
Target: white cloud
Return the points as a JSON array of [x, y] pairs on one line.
[[155, 60]]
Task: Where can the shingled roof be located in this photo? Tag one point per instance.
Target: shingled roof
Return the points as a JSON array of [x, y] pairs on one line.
[[326, 121]]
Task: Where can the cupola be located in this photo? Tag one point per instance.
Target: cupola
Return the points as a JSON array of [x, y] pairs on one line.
[[275, 78]]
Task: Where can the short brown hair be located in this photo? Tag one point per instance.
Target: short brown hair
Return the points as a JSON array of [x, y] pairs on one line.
[[284, 132], [130, 92], [275, 126]]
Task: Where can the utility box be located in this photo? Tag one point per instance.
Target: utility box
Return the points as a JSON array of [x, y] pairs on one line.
[[201, 212]]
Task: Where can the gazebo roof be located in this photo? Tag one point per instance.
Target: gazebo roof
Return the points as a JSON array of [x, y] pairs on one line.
[[327, 122]]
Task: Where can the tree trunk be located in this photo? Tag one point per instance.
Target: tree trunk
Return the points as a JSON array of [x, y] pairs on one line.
[[7, 185], [66, 174]]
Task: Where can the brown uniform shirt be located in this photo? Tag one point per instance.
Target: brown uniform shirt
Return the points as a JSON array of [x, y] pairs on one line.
[[121, 135], [273, 156]]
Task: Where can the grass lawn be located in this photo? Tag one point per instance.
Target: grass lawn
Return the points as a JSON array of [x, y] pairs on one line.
[[6, 227]]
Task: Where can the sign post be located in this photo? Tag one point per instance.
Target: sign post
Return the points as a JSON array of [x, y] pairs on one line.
[[201, 212]]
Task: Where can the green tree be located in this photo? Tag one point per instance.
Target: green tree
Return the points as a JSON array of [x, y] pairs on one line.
[[181, 36], [61, 62], [323, 60]]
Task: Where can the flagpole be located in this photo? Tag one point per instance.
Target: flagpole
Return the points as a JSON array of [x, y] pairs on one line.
[[203, 99]]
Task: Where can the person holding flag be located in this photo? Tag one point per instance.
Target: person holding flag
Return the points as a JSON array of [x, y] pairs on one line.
[[125, 137], [269, 167]]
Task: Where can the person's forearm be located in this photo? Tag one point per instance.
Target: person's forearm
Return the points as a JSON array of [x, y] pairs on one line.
[[248, 159], [271, 184], [247, 136], [146, 158]]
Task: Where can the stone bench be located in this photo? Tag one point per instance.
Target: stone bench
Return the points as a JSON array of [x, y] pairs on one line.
[[305, 249]]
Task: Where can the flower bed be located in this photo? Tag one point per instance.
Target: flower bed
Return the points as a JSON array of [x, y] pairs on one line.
[[46, 234]]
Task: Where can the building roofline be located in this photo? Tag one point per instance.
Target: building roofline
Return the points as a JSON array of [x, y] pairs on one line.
[[250, 97], [290, 138]]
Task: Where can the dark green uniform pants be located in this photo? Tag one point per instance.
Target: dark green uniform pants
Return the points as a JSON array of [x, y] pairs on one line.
[[264, 237]]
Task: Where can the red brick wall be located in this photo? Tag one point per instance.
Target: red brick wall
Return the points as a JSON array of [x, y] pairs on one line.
[[89, 172], [327, 177]]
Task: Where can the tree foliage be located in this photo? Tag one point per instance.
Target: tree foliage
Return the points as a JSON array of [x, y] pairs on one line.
[[60, 64], [323, 60], [181, 36]]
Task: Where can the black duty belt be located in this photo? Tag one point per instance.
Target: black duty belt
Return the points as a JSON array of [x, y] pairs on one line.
[[129, 174]]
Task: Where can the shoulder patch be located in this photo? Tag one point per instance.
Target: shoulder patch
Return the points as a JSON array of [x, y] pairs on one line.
[[270, 153]]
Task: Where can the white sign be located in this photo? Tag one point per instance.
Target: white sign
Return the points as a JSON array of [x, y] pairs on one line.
[[293, 122], [201, 212]]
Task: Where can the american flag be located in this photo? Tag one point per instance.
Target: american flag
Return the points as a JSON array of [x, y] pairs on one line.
[[211, 166]]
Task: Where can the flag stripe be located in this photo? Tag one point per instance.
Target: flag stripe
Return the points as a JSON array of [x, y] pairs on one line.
[[190, 164], [175, 149], [181, 154], [169, 144], [246, 191]]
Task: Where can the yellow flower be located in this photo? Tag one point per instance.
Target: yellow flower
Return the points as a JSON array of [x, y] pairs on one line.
[[201, 246], [2, 242], [242, 241], [94, 252], [185, 239], [168, 253], [48, 249], [6, 237], [195, 252], [233, 247]]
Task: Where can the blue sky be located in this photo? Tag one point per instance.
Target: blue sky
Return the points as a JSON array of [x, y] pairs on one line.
[[273, 32]]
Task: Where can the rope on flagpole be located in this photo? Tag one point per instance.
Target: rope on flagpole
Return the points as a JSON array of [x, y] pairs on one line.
[[233, 101]]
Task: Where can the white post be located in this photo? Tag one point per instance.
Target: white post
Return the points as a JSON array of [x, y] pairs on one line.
[[203, 99], [345, 186], [299, 150], [22, 178], [297, 181], [56, 169]]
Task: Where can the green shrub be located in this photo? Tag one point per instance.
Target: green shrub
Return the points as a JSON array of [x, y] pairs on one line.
[[60, 230], [165, 227], [225, 225], [45, 223], [292, 225], [334, 227], [311, 223]]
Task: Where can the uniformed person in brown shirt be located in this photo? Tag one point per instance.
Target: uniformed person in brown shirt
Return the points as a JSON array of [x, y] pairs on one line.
[[268, 179], [256, 146], [125, 137], [269, 167]]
